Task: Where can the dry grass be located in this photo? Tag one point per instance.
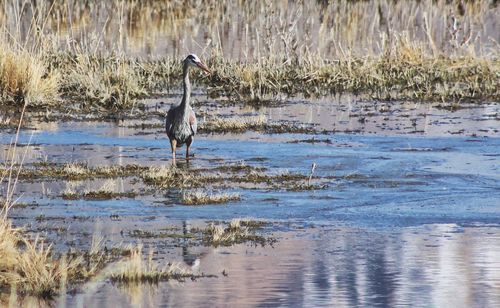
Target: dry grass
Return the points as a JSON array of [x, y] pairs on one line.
[[112, 83], [78, 171], [24, 77], [135, 269], [105, 192], [234, 124], [334, 29], [401, 73], [170, 177], [199, 197], [239, 124], [235, 232], [29, 267], [425, 50]]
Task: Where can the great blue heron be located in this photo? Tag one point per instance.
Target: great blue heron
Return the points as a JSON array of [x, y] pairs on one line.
[[181, 122]]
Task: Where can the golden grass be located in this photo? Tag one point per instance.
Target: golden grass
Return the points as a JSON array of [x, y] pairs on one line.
[[28, 265], [135, 269], [400, 51], [199, 197], [24, 77], [170, 177], [235, 124], [111, 83], [333, 29], [220, 234], [235, 232], [105, 192], [78, 171]]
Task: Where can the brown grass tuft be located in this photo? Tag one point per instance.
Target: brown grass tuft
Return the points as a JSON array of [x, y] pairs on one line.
[[112, 83], [29, 267], [24, 77], [199, 197], [136, 270]]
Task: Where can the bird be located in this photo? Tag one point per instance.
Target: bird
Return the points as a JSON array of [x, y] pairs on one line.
[[180, 122]]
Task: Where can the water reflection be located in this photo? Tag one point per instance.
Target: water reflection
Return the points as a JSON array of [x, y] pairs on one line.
[[433, 265]]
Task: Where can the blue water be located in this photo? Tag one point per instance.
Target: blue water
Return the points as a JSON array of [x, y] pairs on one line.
[[395, 180], [404, 220]]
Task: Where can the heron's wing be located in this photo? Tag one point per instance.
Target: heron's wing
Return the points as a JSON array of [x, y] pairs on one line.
[[193, 123], [169, 120]]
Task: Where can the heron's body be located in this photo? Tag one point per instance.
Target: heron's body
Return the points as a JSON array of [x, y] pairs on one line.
[[181, 124]]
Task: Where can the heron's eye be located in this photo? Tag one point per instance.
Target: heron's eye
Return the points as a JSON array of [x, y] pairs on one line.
[[191, 57]]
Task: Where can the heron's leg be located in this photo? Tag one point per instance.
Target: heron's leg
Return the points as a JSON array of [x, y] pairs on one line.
[[173, 145], [188, 144]]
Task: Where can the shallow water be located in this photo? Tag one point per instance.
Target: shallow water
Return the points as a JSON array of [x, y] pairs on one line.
[[405, 219], [443, 265]]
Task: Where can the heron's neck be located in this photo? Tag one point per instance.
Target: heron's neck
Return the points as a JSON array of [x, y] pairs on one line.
[[187, 86]]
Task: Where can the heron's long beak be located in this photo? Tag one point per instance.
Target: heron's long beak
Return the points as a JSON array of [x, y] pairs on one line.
[[203, 66]]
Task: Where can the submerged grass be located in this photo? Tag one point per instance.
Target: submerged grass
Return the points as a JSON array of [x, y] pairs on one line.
[[236, 231], [239, 124]]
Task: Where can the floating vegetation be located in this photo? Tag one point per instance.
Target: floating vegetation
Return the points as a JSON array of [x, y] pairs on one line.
[[105, 192], [138, 233], [97, 195], [199, 197], [246, 177], [234, 124]]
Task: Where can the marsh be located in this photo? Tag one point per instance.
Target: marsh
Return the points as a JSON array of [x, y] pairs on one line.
[[339, 159]]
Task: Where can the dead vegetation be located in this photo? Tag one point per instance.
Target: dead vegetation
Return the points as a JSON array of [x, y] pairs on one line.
[[239, 124], [78, 171], [112, 83], [135, 269], [25, 77], [234, 124], [225, 176], [30, 267], [426, 56], [235, 232], [199, 197], [219, 233]]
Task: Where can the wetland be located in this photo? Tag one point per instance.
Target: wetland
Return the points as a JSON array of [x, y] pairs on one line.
[[339, 160]]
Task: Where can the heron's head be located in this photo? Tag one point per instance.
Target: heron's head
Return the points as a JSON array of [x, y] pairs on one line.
[[193, 60]]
